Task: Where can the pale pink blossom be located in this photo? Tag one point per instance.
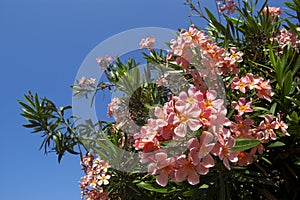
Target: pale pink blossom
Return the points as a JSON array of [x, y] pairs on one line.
[[244, 158], [199, 151], [264, 90], [286, 37], [147, 43], [241, 126], [239, 84], [229, 7], [283, 126], [163, 167], [187, 116], [187, 170], [104, 62], [235, 57], [242, 106], [222, 149], [113, 106], [273, 12], [267, 127]]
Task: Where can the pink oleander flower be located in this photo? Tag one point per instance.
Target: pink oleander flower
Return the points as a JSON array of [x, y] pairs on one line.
[[147, 43], [198, 80], [235, 57], [200, 151], [267, 127], [95, 170], [222, 150], [283, 126], [146, 140], [211, 101], [83, 82], [209, 69], [193, 96], [187, 116], [251, 81], [187, 170], [264, 90], [113, 106], [286, 37], [96, 194], [103, 62], [241, 126], [230, 7], [239, 84], [274, 12], [242, 107], [244, 158], [164, 167]]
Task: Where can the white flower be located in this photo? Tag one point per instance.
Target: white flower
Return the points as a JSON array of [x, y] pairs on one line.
[[103, 179]]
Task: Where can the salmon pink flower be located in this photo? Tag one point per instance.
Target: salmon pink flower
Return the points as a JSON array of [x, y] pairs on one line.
[[268, 125], [186, 116], [164, 167], [187, 170], [264, 90], [286, 37], [244, 158], [211, 101], [239, 84], [283, 126], [251, 81], [242, 107], [230, 7], [273, 12], [199, 151], [222, 149], [147, 43], [113, 106], [241, 126]]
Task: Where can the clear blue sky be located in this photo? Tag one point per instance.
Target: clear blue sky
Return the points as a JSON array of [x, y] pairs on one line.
[[42, 45]]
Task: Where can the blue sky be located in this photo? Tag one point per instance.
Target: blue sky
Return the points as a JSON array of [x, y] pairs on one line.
[[42, 45]]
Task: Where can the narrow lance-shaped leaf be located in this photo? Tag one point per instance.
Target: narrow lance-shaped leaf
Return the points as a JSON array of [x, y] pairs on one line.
[[242, 144]]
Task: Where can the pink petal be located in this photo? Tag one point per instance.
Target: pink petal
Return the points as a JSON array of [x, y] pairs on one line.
[[181, 130], [181, 175], [194, 124], [193, 142], [161, 157], [193, 178], [183, 96], [226, 163], [194, 156], [162, 179], [208, 161], [202, 170]]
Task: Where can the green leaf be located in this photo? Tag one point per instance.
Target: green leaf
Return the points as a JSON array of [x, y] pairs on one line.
[[287, 83], [297, 102], [276, 144], [273, 108], [242, 144], [157, 188]]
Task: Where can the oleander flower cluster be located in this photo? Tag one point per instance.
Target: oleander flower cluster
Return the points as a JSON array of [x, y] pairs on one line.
[[95, 178], [215, 60], [226, 5], [195, 120]]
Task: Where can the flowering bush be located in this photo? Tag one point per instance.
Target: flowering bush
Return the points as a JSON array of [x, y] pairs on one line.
[[222, 121]]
